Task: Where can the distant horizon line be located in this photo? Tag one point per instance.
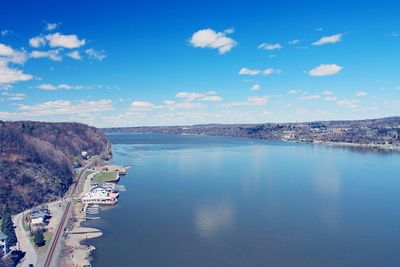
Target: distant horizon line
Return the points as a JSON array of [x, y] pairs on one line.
[[204, 124]]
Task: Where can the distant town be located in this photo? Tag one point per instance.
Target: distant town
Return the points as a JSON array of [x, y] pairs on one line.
[[374, 133]]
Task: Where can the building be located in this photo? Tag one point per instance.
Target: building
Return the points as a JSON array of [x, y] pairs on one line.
[[99, 197], [3, 238], [100, 189], [85, 155], [40, 215]]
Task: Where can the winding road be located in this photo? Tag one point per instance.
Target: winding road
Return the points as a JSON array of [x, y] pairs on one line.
[[24, 243]]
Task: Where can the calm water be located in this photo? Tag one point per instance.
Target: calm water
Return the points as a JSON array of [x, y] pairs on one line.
[[216, 201]]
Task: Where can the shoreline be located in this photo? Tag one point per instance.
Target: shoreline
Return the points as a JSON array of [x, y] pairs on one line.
[[75, 252]]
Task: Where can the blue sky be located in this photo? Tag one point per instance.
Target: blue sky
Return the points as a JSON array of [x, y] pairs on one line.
[[120, 63]]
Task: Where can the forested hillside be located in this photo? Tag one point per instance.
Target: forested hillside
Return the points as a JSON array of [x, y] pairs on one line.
[[36, 159]]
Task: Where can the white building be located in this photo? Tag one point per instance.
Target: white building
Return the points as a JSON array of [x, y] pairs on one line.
[[99, 197]]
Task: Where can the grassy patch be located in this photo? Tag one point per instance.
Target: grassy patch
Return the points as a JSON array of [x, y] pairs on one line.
[[87, 173], [47, 237], [103, 177]]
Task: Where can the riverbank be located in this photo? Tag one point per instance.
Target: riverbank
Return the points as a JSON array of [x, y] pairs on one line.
[[76, 251]]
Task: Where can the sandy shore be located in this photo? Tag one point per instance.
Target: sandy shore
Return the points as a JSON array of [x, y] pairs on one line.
[[75, 250]]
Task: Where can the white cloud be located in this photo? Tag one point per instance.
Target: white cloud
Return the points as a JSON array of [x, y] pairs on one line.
[[211, 98], [293, 42], [63, 107], [8, 54], [255, 87], [257, 100], [270, 71], [193, 96], [63, 86], [329, 39], [13, 96], [361, 94], [75, 55], [252, 72], [211, 39], [51, 26], [142, 105], [310, 97], [37, 42], [10, 75], [6, 50], [98, 55], [348, 103], [246, 71], [267, 46], [325, 70], [65, 41], [51, 54]]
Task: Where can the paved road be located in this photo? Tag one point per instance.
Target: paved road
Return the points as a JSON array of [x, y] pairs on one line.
[[24, 243]]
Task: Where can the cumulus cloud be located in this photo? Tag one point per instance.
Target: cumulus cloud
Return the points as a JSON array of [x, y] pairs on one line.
[[98, 55], [208, 38], [51, 54], [325, 70], [8, 54], [255, 87], [246, 71], [268, 46], [37, 41], [6, 50], [328, 39], [65, 41], [10, 75], [361, 94], [64, 107], [75, 55]]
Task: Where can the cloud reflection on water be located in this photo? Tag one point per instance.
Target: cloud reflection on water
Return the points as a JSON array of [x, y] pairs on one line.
[[211, 219]]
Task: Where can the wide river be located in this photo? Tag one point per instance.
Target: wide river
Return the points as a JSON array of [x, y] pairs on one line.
[[220, 201]]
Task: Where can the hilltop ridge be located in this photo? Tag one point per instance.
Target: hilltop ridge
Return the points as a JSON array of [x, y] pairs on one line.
[[36, 159]]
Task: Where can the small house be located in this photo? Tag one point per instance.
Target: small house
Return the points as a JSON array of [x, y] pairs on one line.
[[40, 215], [3, 238], [85, 155]]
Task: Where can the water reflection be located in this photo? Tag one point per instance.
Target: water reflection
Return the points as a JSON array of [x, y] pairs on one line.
[[212, 218]]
